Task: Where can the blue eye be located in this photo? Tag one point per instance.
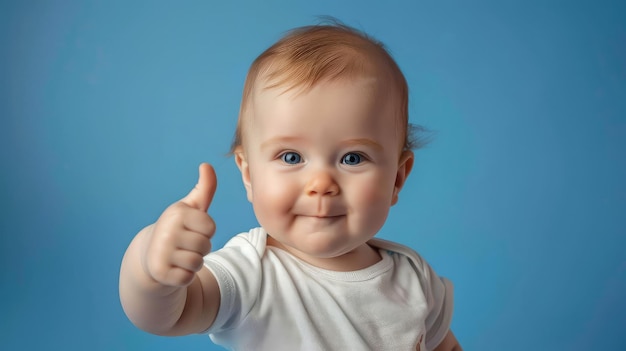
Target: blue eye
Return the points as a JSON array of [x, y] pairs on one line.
[[291, 158], [351, 159]]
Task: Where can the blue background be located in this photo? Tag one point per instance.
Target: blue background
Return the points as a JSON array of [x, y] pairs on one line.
[[108, 107]]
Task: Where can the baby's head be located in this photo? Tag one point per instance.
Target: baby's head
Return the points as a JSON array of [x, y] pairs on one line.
[[322, 142], [311, 55]]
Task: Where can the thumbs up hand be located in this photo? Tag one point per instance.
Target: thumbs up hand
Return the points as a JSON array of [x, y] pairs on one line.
[[181, 237]]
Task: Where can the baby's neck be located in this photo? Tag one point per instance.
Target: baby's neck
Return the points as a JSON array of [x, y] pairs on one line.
[[360, 258]]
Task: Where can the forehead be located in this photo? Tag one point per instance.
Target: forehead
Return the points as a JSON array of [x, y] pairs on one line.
[[357, 105], [367, 87]]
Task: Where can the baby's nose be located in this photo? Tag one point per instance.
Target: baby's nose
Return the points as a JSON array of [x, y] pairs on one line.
[[322, 183]]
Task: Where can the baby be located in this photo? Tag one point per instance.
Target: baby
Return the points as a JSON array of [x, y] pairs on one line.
[[324, 146]]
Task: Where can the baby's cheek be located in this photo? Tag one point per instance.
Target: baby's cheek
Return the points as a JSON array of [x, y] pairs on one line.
[[374, 193], [274, 195], [375, 201], [363, 202]]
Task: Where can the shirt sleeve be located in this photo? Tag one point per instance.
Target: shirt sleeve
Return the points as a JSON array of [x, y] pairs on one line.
[[237, 269], [438, 292], [439, 295]]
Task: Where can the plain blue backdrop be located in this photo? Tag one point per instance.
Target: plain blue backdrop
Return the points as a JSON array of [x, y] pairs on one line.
[[108, 107]]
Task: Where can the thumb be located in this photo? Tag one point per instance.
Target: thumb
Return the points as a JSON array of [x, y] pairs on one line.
[[201, 195]]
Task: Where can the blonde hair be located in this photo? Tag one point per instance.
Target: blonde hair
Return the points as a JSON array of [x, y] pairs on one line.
[[311, 54]]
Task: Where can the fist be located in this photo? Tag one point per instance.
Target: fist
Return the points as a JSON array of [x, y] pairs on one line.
[[181, 237]]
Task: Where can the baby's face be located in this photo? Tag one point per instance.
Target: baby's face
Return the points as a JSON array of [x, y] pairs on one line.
[[323, 167]]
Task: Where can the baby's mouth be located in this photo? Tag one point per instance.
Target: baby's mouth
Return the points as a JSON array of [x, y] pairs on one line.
[[322, 215]]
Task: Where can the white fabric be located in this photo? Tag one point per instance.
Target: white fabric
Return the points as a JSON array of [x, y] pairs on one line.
[[271, 300]]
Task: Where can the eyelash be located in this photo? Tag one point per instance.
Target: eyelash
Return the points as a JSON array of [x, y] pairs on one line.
[[362, 158]]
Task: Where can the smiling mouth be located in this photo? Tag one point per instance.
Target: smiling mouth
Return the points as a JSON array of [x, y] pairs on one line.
[[322, 217]]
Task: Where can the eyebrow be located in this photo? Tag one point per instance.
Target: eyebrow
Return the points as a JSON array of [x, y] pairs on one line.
[[350, 142], [279, 140], [363, 141]]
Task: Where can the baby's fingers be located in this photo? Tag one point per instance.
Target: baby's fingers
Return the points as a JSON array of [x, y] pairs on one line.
[[199, 222], [187, 260], [194, 242], [202, 194], [166, 273]]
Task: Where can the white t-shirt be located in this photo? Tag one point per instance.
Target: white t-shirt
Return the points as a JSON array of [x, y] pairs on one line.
[[271, 300]]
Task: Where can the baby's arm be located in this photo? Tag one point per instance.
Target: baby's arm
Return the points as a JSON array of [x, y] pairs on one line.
[[164, 287]]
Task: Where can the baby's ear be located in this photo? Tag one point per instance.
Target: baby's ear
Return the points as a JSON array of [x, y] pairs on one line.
[[404, 168], [242, 164]]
